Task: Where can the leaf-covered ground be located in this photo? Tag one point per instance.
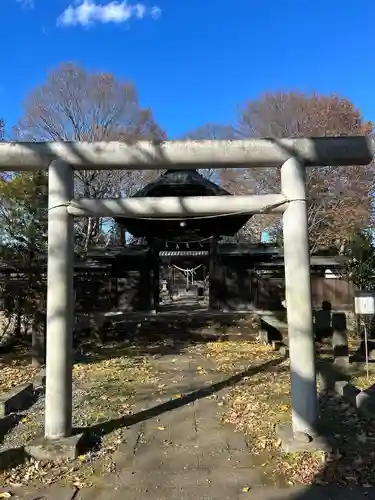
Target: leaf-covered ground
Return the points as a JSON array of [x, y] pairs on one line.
[[114, 381], [103, 389], [264, 400], [111, 381], [15, 369]]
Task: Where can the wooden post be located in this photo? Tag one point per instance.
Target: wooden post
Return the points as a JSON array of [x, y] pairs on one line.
[[214, 302]]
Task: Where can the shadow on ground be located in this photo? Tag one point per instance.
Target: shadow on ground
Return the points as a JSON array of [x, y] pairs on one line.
[[348, 471], [161, 335], [146, 334], [350, 465], [94, 434], [14, 457], [8, 423]]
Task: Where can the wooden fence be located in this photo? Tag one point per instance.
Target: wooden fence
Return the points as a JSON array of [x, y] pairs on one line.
[[103, 288], [270, 292]]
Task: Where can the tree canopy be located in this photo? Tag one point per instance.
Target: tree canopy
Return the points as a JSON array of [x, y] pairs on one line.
[[75, 104], [340, 199], [359, 260]]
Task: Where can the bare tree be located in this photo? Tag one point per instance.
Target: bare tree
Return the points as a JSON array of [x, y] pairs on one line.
[[211, 131], [340, 199], [236, 181], [74, 104]]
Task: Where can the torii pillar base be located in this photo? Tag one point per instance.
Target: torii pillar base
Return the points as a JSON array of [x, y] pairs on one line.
[[300, 442], [65, 448]]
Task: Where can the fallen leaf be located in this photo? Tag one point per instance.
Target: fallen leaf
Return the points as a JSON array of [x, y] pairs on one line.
[[5, 494], [246, 489], [161, 428]]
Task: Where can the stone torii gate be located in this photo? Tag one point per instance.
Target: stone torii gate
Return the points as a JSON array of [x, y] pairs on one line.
[[293, 155]]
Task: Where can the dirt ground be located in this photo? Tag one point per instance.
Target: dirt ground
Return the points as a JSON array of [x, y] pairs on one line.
[[115, 380]]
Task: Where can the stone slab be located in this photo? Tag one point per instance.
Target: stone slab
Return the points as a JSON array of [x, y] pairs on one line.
[[276, 345], [39, 381], [8, 422], [56, 449], [347, 391], [169, 458], [17, 399], [341, 361], [284, 351], [196, 492], [365, 404], [291, 444], [236, 478]]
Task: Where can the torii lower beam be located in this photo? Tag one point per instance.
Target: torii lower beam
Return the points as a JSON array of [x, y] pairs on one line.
[[176, 207]]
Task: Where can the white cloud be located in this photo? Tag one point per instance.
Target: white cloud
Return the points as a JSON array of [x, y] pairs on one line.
[[26, 4], [155, 12], [88, 12]]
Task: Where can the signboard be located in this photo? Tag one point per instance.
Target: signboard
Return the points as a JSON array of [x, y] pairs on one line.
[[364, 303]]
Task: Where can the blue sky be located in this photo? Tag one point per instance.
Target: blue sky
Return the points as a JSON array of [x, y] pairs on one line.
[[193, 61]]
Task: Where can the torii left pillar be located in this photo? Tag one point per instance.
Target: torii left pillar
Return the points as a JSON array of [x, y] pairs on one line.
[[59, 441]]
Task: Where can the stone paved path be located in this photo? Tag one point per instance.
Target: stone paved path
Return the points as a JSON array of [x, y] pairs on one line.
[[179, 449], [186, 451]]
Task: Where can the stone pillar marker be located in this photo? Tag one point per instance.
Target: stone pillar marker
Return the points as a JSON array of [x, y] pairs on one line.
[[340, 340]]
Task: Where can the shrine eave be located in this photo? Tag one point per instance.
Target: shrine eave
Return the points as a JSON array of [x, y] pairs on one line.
[[183, 183]]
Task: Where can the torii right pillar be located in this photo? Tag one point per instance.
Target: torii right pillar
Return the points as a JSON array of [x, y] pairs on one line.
[[302, 435]]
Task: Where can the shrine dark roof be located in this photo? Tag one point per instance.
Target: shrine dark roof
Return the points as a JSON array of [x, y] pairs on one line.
[[183, 183]]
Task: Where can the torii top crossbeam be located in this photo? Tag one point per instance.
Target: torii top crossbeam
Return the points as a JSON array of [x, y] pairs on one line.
[[143, 155]]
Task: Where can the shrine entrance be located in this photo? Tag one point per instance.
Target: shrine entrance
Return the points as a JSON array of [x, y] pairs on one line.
[[184, 280], [182, 249]]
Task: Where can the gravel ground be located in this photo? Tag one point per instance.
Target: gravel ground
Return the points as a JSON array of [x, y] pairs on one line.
[[102, 390]]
